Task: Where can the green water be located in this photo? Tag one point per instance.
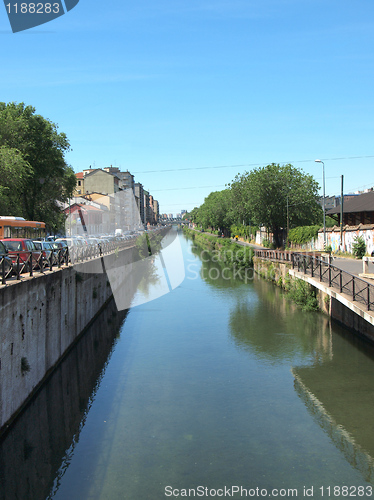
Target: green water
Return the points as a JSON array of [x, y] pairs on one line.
[[220, 384]]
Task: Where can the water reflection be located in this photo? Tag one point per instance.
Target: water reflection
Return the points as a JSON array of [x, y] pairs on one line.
[[160, 270], [32, 453], [335, 379], [273, 328], [339, 394], [210, 385]]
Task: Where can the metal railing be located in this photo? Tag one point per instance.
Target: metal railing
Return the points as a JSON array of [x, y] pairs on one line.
[[15, 265], [316, 267]]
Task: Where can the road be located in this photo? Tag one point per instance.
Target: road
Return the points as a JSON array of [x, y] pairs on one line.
[[351, 265]]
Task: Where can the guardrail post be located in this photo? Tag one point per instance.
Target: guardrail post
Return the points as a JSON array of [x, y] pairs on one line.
[[329, 275], [3, 271], [41, 263], [17, 268], [368, 297], [30, 264], [353, 289], [341, 281]]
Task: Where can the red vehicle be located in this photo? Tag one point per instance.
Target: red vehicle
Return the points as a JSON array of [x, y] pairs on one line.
[[25, 249]]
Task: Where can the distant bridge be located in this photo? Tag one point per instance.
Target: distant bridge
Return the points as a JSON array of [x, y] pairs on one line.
[[175, 221]]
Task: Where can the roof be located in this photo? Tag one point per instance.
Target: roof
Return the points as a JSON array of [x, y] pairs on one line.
[[79, 175], [97, 170], [79, 206], [362, 203]]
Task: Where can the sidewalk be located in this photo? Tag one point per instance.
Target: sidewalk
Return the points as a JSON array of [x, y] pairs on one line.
[[352, 266]]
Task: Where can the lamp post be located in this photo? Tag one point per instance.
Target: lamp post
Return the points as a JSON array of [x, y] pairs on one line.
[[323, 205]]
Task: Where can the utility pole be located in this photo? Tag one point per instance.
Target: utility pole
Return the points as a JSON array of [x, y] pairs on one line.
[[323, 204], [288, 222], [341, 214], [69, 217]]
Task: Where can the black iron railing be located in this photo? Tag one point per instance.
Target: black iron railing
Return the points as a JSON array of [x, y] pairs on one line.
[[15, 265], [322, 269]]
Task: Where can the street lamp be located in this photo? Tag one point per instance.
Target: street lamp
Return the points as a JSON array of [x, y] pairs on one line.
[[323, 205]]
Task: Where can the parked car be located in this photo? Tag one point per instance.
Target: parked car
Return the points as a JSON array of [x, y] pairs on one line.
[[46, 247], [8, 265], [22, 247], [67, 242]]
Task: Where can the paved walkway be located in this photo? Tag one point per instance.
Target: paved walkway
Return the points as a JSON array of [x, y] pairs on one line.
[[352, 266], [245, 244]]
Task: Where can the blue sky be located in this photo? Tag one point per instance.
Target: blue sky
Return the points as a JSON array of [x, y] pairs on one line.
[[185, 94]]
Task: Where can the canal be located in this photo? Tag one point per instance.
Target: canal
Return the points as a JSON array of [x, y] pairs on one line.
[[219, 384]]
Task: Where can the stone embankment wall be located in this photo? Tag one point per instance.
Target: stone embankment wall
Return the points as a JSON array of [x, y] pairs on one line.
[[42, 317], [53, 420], [337, 306]]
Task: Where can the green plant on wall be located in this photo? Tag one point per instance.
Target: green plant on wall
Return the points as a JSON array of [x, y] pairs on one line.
[[359, 247], [303, 294]]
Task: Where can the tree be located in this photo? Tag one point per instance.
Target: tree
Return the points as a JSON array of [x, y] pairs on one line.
[[240, 201], [216, 211], [14, 173], [269, 190], [34, 144]]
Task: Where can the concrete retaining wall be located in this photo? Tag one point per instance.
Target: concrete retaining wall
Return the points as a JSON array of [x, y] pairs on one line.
[[338, 306], [41, 318], [53, 420]]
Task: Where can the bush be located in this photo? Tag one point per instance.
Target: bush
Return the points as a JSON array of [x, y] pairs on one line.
[[303, 294], [247, 232], [268, 244], [303, 234], [359, 247]]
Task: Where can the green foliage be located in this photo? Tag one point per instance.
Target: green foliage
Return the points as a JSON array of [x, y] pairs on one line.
[[359, 247], [225, 251], [148, 244], [302, 293], [266, 192], [303, 234], [247, 232], [330, 222], [270, 196], [14, 174], [33, 172], [215, 212], [268, 244]]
